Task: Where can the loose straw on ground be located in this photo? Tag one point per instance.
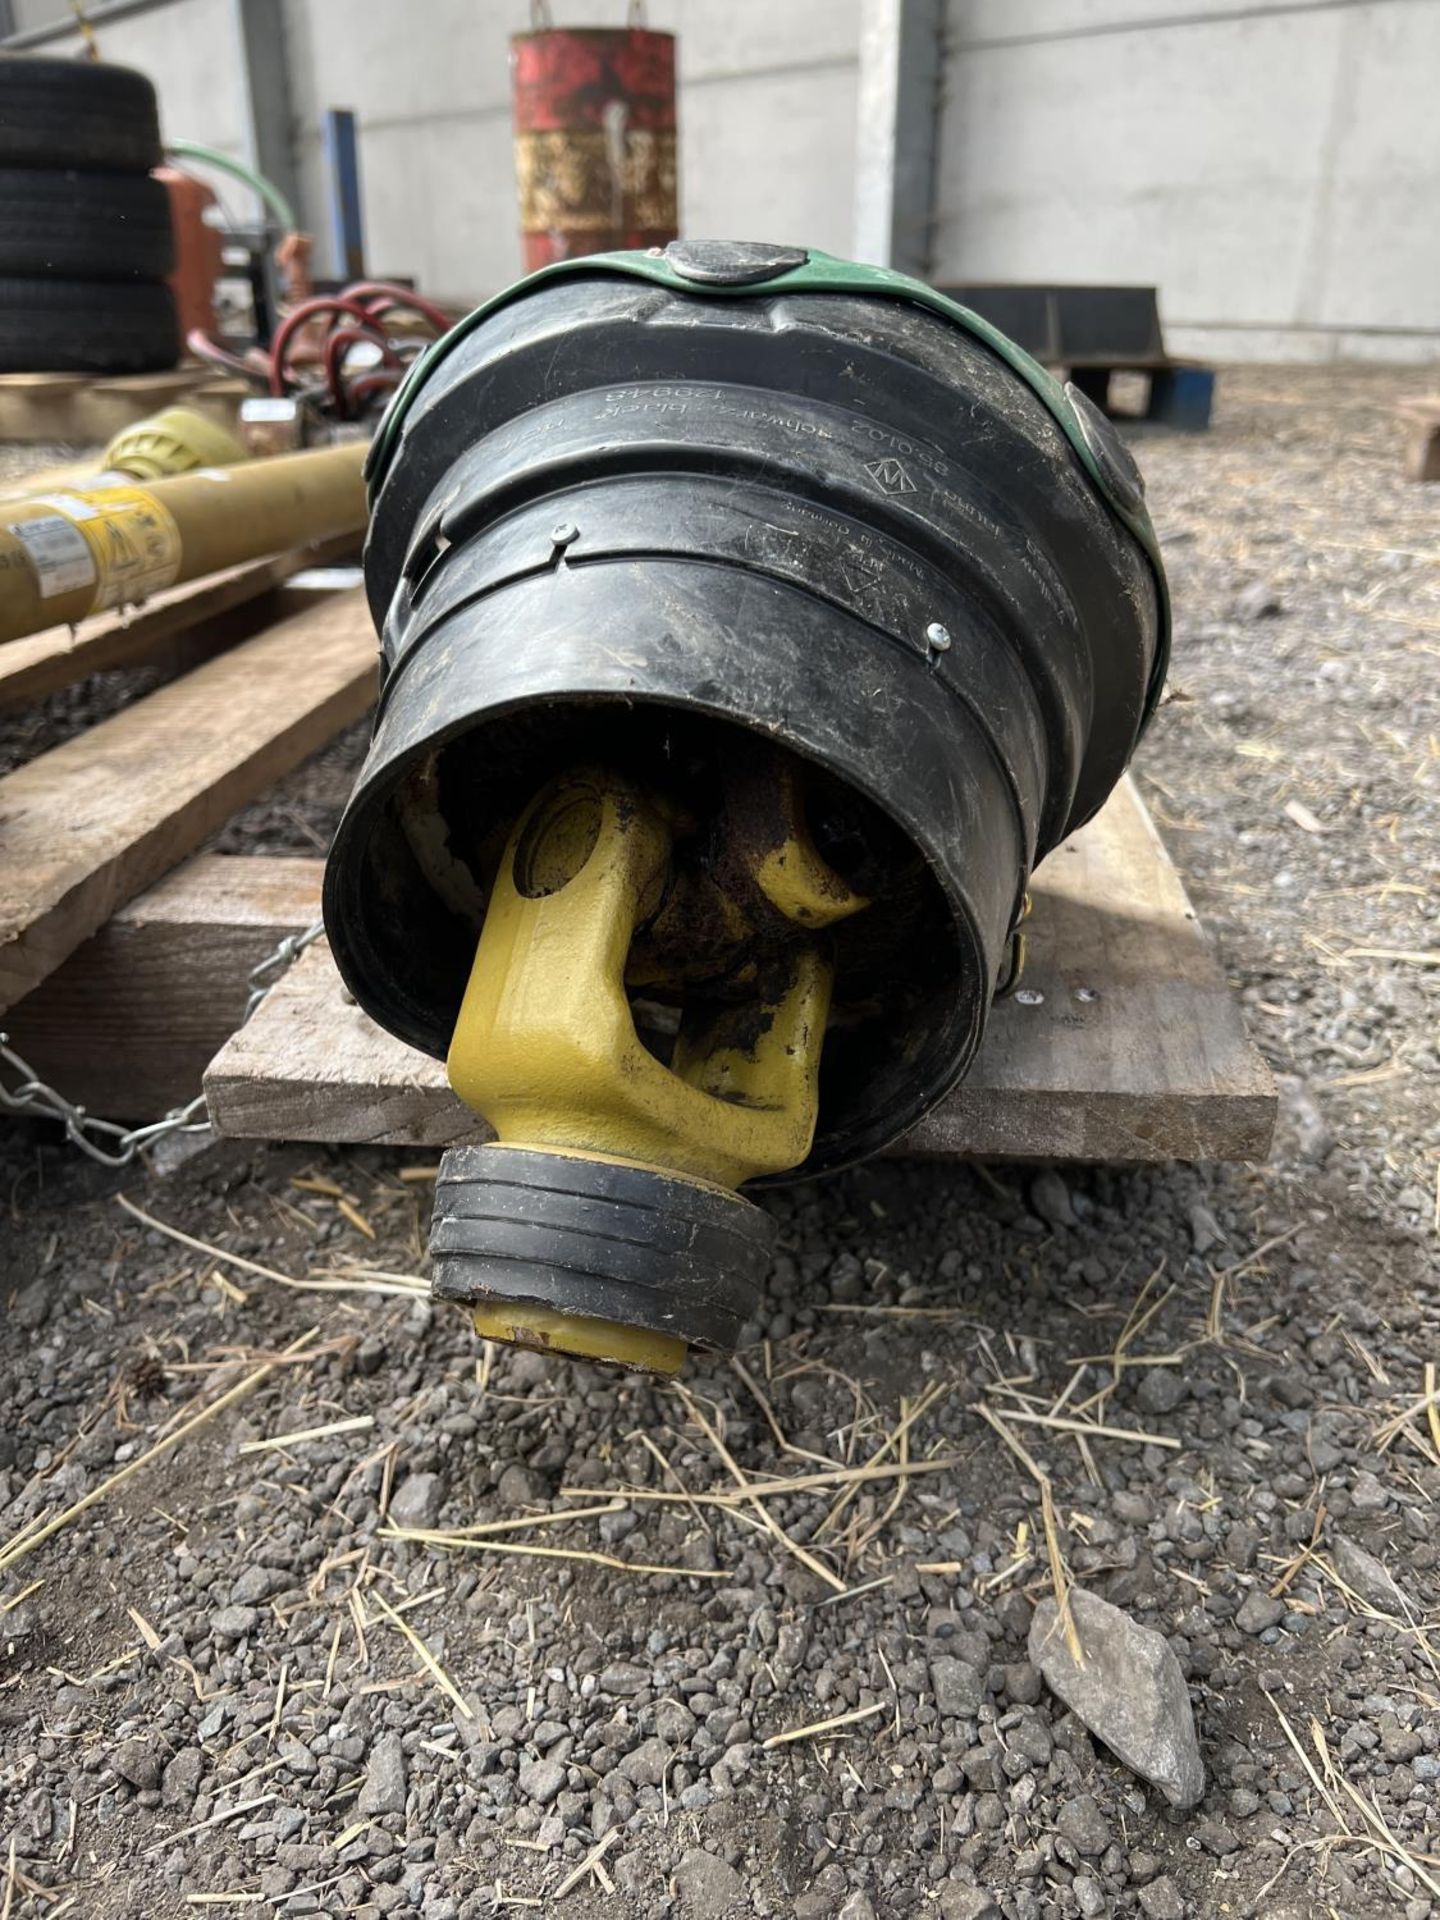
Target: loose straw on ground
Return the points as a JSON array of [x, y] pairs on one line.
[[587, 1865], [1058, 1576], [907, 1420], [775, 1489], [426, 1657], [824, 1726], [34, 1535], [460, 1542], [392, 1283], [1380, 1837], [480, 1529], [772, 1525], [361, 1423], [1091, 1429]]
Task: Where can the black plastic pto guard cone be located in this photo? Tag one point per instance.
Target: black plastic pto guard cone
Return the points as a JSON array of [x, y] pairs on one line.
[[644, 507]]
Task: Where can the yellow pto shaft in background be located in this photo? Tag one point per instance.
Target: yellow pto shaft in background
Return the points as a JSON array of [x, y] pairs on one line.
[[75, 551]]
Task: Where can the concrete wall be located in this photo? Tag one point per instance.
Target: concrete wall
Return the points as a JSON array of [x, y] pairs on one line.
[[1272, 165], [1273, 168], [767, 114], [766, 121]]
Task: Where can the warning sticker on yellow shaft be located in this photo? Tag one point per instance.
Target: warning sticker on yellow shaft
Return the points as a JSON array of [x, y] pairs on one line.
[[133, 542], [59, 553]]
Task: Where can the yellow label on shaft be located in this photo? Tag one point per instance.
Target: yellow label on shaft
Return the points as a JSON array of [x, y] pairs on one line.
[[132, 538]]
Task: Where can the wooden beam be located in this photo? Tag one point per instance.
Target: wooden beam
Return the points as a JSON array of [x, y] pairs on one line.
[[127, 1026], [86, 409], [1125, 1044], [92, 823], [193, 614], [60, 655]]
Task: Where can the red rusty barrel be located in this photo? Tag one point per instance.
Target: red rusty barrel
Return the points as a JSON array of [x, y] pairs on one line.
[[594, 140]]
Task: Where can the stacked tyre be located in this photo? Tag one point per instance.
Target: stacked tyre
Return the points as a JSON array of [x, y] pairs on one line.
[[85, 232]]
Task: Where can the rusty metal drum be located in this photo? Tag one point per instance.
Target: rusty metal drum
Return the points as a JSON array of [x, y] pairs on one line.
[[594, 140]]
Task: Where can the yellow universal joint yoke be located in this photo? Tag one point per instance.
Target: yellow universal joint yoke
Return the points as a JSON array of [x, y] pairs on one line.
[[644, 1036]]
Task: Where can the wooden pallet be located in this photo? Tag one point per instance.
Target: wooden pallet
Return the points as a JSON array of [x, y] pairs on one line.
[[125, 965], [180, 627], [92, 823], [86, 409], [1125, 1044]]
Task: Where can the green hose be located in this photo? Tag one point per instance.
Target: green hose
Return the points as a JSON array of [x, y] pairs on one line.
[[273, 198]]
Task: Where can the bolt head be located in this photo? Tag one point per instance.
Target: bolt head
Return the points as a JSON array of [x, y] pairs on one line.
[[937, 638], [564, 533]]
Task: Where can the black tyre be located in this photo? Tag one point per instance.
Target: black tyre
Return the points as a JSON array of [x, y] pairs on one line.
[[76, 113], [87, 326], [84, 226]]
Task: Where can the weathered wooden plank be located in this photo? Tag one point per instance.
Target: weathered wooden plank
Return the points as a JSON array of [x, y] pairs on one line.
[[85, 409], [127, 1026], [1134, 1047], [89, 825], [44, 662], [1124, 1044]]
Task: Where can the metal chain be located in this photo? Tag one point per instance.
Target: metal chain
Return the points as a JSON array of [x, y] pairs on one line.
[[32, 1095]]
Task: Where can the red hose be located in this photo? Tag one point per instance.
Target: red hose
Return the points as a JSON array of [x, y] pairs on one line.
[[368, 290], [337, 345], [198, 342], [298, 317]]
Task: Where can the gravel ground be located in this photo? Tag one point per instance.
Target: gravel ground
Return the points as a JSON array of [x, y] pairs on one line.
[[239, 1676]]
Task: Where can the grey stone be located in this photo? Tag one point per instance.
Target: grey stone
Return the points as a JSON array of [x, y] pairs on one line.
[[647, 1763], [966, 1903], [37, 1816], [1216, 1838], [214, 1722], [1365, 1575], [674, 1722], [1366, 1493], [959, 1687], [821, 1899], [621, 1677], [1022, 1683], [1400, 1744], [522, 1487], [255, 1585], [418, 1500], [233, 1623], [1204, 1229], [858, 1907], [1129, 1692], [299, 1759], [542, 1780], [1083, 1825], [383, 1790], [137, 1761], [1134, 1508], [1161, 1900], [707, 1888], [1161, 1390], [1258, 1611], [1050, 1199], [31, 1307]]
